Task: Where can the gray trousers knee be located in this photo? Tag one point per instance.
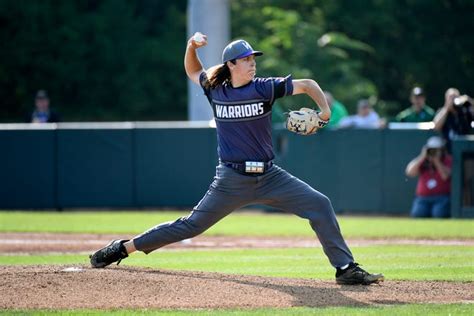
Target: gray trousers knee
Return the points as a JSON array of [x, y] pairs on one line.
[[231, 190]]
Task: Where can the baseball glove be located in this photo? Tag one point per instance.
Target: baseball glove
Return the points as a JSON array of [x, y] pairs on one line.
[[305, 121]]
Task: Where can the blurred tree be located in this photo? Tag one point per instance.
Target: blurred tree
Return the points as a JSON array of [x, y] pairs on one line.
[[122, 59], [293, 35], [100, 60], [367, 47], [417, 42]]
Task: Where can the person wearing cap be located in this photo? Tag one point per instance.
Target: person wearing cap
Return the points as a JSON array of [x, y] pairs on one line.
[[456, 117], [366, 117], [42, 113], [418, 111], [242, 105], [433, 169]]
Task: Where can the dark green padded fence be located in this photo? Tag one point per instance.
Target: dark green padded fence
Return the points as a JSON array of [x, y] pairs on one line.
[[173, 167], [28, 168], [135, 165], [463, 177], [95, 168], [359, 170]]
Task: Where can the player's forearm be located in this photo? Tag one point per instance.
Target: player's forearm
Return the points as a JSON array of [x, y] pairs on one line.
[[312, 89], [192, 64]]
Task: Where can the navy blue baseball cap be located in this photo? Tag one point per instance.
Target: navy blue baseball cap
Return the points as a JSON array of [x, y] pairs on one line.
[[238, 49]]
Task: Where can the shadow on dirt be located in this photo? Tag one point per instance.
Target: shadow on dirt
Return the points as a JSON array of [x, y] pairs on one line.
[[305, 293]]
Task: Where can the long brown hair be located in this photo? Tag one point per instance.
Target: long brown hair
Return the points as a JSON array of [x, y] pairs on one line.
[[217, 75]]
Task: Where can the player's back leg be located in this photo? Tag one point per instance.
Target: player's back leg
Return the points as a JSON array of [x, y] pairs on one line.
[[228, 191]]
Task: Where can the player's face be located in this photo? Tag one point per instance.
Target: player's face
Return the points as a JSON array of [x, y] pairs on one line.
[[245, 68]]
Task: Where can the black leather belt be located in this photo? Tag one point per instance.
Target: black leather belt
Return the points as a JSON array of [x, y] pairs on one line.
[[254, 168]]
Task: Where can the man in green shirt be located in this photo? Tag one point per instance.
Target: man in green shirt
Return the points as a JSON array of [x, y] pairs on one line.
[[419, 111], [338, 110]]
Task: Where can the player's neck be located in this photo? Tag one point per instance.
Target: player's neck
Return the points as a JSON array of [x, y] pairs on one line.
[[236, 82]]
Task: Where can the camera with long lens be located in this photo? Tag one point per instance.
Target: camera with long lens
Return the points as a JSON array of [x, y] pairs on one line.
[[462, 101], [431, 151]]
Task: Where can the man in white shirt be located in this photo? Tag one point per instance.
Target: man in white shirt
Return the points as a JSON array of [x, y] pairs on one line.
[[366, 117]]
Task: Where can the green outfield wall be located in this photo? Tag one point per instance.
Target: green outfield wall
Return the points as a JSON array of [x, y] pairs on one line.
[[147, 165]]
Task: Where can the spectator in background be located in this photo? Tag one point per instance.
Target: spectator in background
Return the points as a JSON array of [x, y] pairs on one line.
[[366, 117], [419, 111], [42, 112], [338, 110], [433, 168], [455, 117]]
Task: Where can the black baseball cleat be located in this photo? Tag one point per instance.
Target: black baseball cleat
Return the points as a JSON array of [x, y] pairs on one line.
[[114, 251], [354, 275]]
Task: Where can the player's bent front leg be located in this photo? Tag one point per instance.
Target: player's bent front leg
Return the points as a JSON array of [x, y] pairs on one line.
[[295, 196]]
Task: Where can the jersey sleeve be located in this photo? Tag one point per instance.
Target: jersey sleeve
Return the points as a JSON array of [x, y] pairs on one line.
[[273, 88], [283, 86], [202, 82]]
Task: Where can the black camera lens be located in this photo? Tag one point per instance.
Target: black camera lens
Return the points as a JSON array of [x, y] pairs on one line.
[[461, 101]]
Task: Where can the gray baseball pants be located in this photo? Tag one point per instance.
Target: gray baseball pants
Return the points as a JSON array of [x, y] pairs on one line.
[[231, 190]]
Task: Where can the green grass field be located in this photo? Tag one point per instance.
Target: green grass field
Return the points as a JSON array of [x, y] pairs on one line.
[[413, 309], [239, 224], [450, 263], [397, 262]]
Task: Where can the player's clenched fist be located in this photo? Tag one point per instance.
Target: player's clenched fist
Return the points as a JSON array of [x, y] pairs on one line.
[[198, 40]]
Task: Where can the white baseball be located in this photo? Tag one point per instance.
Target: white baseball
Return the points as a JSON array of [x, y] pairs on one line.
[[198, 37]]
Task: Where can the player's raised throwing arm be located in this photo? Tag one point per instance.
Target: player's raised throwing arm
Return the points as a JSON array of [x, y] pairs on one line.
[[312, 89], [192, 64]]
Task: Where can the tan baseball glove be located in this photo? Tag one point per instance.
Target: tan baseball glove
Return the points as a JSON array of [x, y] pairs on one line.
[[305, 121]]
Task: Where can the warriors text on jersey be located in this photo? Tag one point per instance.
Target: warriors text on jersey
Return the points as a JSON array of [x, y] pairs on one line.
[[243, 117]]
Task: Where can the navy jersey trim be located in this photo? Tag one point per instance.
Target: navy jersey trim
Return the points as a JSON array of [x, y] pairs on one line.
[[239, 102], [273, 94]]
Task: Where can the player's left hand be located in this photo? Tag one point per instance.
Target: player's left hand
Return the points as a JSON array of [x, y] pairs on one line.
[[305, 121]]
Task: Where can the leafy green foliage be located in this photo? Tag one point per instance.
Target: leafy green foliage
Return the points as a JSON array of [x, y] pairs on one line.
[[358, 49], [100, 60], [423, 43], [122, 59], [294, 37]]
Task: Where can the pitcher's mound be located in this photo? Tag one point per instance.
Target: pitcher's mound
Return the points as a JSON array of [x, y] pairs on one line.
[[73, 287]]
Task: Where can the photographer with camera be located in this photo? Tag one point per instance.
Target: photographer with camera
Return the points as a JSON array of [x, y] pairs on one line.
[[433, 167], [455, 117]]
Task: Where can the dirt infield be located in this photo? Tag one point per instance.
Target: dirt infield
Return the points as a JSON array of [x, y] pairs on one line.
[[72, 287], [33, 287]]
